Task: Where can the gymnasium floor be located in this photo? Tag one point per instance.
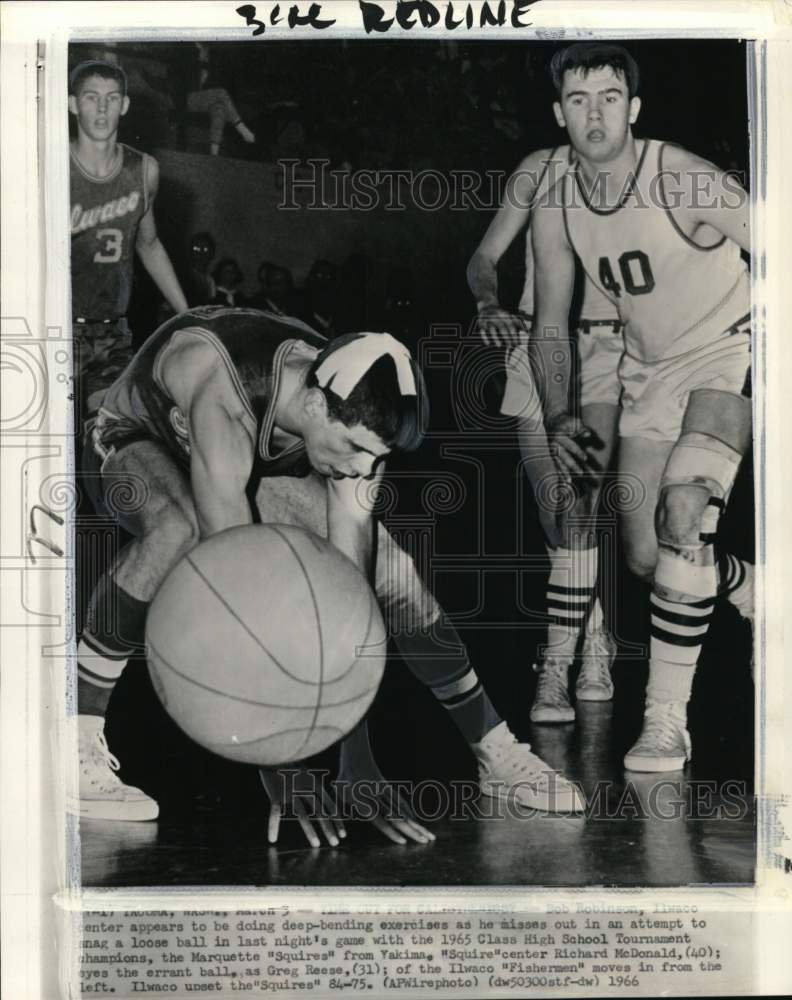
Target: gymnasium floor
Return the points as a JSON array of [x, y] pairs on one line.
[[675, 829]]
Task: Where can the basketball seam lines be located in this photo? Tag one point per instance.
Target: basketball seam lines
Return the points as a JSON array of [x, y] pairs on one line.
[[249, 701], [245, 626], [320, 685]]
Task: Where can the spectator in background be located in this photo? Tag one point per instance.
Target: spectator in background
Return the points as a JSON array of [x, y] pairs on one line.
[[199, 284], [279, 295], [259, 298], [196, 89], [320, 298], [228, 277], [399, 315]]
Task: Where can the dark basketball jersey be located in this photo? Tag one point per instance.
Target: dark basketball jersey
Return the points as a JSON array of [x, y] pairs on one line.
[[105, 214], [253, 346]]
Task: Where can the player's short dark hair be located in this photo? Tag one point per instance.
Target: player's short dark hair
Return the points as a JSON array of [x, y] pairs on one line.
[[376, 401], [95, 67], [586, 56]]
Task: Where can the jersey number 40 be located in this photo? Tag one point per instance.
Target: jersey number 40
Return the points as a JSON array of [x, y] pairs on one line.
[[636, 274]]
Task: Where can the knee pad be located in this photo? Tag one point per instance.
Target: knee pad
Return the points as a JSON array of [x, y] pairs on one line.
[[703, 461]]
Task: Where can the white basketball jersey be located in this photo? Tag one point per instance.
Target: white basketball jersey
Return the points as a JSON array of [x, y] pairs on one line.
[[595, 305], [673, 295]]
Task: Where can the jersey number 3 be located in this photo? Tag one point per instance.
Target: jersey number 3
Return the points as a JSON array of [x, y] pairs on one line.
[[112, 243], [636, 273]]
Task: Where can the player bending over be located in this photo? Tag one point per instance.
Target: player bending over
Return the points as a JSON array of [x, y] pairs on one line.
[[666, 251], [571, 600], [215, 397]]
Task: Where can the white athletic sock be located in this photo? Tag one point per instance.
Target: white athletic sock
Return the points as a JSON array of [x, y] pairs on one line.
[[682, 600], [596, 619], [570, 587], [736, 582]]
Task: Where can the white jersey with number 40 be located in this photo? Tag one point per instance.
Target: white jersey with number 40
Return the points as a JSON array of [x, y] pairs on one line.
[[595, 305], [673, 294]]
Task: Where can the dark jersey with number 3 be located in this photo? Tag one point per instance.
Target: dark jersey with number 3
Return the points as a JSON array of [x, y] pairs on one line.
[[105, 215]]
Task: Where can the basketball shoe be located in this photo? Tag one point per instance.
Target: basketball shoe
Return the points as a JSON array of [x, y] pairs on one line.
[[551, 702], [664, 743], [508, 770], [594, 682], [102, 794]]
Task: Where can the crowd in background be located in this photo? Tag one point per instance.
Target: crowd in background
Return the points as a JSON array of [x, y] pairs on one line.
[[332, 300]]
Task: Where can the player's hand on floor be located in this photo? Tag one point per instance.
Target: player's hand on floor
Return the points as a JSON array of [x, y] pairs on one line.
[[499, 328], [366, 795], [300, 792], [573, 446]]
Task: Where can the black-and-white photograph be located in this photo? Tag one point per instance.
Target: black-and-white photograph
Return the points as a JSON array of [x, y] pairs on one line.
[[394, 476], [413, 436]]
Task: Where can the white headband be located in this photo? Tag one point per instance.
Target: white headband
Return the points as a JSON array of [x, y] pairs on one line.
[[347, 365]]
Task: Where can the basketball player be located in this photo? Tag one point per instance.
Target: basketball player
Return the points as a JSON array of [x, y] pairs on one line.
[[113, 188], [215, 397], [572, 604], [659, 231]]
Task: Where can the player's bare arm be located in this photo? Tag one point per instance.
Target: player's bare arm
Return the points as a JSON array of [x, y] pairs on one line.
[[705, 201], [350, 525], [555, 281], [151, 251], [498, 327], [221, 433]]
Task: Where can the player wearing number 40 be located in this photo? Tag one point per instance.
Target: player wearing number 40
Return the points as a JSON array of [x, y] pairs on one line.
[[112, 215], [659, 231]]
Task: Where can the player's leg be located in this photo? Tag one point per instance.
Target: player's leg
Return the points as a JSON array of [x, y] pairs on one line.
[[641, 463], [434, 652], [567, 605], [694, 489], [146, 489], [598, 650], [572, 604], [103, 351]]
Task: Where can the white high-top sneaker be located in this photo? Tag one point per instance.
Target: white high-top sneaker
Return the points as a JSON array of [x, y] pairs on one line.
[[664, 743], [594, 681], [508, 770], [102, 794], [551, 702]]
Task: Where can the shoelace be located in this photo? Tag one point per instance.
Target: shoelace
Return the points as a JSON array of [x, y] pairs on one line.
[[552, 684], [530, 765], [596, 662], [662, 728], [104, 753], [501, 750]]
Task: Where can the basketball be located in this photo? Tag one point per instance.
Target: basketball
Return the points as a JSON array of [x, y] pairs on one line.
[[265, 644]]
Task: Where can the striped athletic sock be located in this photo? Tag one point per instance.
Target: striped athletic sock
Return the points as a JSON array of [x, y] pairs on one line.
[[570, 588], [682, 600], [114, 631], [736, 582], [438, 658]]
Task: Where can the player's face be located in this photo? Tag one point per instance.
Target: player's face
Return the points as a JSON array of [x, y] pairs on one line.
[[341, 452], [597, 112], [99, 106]]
